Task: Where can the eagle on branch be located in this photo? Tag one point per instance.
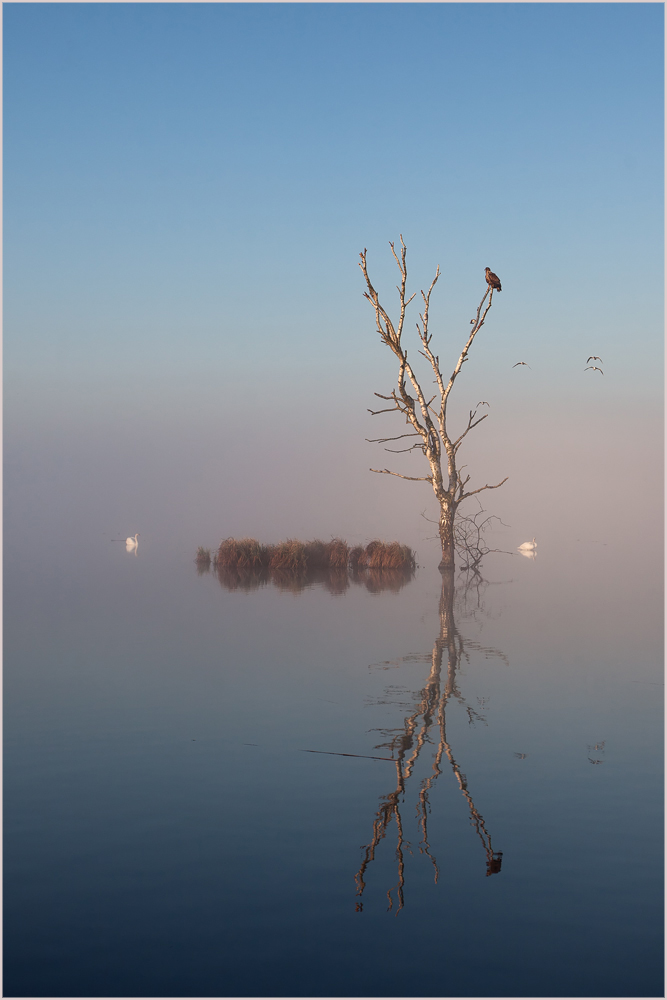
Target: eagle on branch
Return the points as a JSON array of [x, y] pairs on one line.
[[492, 279]]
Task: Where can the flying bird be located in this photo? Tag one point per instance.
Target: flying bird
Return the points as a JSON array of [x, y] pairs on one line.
[[522, 363], [594, 357], [594, 368], [492, 279], [482, 402]]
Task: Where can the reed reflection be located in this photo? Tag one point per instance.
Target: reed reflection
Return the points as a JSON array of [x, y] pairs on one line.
[[293, 566], [374, 581], [407, 744]]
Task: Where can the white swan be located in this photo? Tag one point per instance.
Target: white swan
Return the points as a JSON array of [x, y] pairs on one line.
[[528, 546], [132, 543]]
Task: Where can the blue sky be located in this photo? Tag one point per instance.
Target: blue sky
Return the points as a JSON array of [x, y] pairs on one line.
[[187, 189]]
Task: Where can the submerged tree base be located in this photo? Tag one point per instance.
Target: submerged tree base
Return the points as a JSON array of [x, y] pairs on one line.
[[246, 564]]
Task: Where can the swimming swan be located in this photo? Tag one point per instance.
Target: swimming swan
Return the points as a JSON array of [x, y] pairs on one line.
[[132, 543], [528, 546]]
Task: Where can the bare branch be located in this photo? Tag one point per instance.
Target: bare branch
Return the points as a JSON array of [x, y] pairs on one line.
[[403, 268], [399, 451], [397, 438], [383, 323], [473, 492], [426, 338], [415, 479], [471, 423], [464, 353], [411, 297]]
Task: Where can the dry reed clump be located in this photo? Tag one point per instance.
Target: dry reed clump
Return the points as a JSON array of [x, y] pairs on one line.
[[356, 555], [292, 565], [383, 556], [331, 555], [242, 554], [203, 561], [398, 557], [288, 558], [339, 554], [306, 558], [315, 553]]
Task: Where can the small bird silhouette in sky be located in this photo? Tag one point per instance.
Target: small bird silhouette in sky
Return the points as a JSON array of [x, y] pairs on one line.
[[594, 357], [522, 363], [594, 368], [482, 402]]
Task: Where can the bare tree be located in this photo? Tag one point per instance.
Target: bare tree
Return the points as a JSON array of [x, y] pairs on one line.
[[428, 423]]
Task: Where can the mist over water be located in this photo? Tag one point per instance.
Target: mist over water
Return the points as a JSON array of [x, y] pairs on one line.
[[167, 835]]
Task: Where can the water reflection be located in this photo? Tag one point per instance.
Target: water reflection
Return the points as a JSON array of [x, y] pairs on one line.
[[407, 743], [335, 580]]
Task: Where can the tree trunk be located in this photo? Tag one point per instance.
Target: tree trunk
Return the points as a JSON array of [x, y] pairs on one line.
[[447, 537]]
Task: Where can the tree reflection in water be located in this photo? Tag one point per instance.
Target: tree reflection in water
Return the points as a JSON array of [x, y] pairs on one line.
[[407, 743]]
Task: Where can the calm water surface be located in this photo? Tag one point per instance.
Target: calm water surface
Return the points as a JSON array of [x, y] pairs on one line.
[[497, 833]]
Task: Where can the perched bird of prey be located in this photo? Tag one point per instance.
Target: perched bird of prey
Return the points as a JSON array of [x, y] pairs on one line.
[[522, 363], [594, 368], [492, 279], [594, 357]]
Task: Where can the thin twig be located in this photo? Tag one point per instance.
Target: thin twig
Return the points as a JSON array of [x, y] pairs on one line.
[[415, 479], [397, 438]]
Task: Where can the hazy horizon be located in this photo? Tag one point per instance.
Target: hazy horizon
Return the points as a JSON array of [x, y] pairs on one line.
[[187, 188]]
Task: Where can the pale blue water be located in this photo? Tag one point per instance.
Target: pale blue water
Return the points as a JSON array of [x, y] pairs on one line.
[[166, 835]]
